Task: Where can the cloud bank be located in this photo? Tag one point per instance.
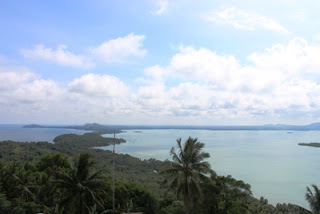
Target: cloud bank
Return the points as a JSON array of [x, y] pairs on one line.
[[198, 84]]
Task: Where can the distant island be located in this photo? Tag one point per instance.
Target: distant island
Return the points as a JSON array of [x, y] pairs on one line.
[[310, 144], [313, 126], [108, 129], [95, 127]]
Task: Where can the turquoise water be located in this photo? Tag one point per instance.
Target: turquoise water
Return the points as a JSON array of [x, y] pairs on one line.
[[270, 161]]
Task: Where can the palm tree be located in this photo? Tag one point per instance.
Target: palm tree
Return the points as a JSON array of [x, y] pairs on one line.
[[187, 170], [82, 187], [313, 198], [19, 181]]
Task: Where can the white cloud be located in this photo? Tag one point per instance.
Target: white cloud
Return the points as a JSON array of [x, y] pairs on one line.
[[295, 57], [98, 85], [26, 97], [280, 81], [21, 87], [156, 73], [197, 85], [119, 49], [202, 64], [112, 51], [162, 7], [13, 77], [59, 56], [244, 20]]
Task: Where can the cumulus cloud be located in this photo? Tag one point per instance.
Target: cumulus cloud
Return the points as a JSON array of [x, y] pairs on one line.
[[120, 49], [98, 85], [26, 97], [60, 56], [202, 64], [20, 87], [279, 81], [13, 77], [297, 56], [241, 19], [162, 7]]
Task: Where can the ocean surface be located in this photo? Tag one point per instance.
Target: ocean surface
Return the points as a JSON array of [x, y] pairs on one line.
[[18, 133], [270, 161]]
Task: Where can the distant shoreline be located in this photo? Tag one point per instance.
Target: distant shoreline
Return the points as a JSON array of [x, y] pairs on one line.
[[95, 127], [108, 129], [317, 145]]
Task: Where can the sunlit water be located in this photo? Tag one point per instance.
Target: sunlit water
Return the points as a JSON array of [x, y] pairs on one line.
[[270, 161]]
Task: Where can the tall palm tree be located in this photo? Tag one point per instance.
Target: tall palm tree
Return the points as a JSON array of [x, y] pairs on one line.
[[82, 186], [187, 170], [313, 198]]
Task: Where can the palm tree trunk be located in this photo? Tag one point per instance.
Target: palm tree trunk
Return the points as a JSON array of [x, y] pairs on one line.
[[186, 197], [187, 206]]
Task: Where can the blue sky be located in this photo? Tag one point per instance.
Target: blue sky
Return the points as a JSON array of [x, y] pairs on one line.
[[160, 62]]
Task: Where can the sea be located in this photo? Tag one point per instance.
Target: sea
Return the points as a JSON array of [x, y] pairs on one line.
[[272, 162], [16, 132]]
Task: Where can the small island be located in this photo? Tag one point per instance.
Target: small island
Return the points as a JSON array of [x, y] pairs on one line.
[[310, 144]]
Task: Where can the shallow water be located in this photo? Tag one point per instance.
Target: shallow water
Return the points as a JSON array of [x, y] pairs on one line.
[[270, 161]]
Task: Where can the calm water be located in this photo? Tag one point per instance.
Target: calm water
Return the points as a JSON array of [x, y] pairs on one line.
[[270, 161], [18, 133]]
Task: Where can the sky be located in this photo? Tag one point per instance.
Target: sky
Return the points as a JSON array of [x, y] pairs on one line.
[[160, 62]]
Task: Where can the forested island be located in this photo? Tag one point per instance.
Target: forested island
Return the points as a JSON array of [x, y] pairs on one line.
[[74, 176], [310, 144]]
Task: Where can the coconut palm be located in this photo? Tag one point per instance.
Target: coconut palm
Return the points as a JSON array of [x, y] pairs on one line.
[[19, 181], [187, 170], [313, 198], [82, 186]]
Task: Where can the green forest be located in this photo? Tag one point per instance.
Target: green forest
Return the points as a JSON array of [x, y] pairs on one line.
[[72, 175]]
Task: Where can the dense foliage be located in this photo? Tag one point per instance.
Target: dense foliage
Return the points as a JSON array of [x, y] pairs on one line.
[[56, 185], [71, 176]]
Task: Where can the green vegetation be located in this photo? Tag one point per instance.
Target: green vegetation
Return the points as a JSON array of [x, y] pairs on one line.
[[86, 140], [81, 186], [55, 185], [310, 144], [313, 198], [71, 176]]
